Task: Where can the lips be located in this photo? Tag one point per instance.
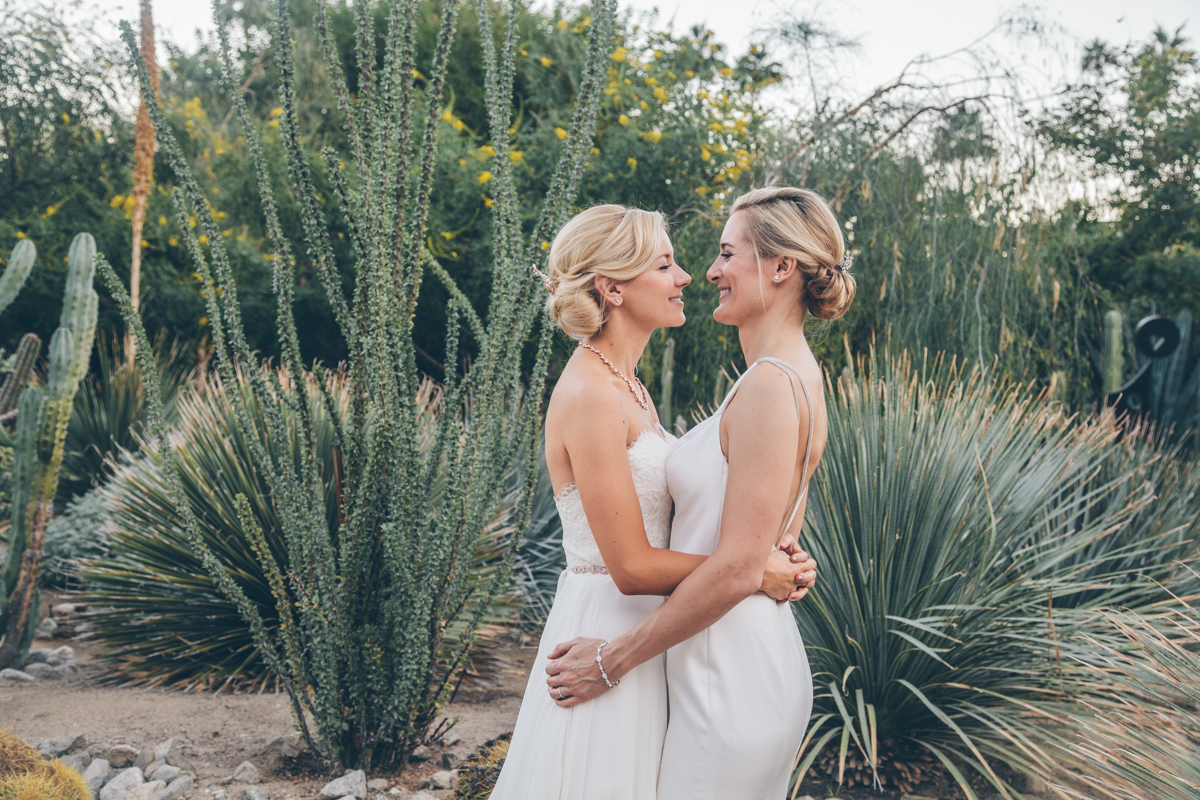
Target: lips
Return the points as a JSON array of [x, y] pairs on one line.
[[723, 293], [677, 300]]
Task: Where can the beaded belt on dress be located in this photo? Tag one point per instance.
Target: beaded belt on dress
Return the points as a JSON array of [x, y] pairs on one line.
[[589, 570]]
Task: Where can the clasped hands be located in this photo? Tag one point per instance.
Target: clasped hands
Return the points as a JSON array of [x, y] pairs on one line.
[[574, 676]]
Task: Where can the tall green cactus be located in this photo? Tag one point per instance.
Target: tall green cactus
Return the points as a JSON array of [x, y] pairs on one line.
[[26, 356], [38, 444], [19, 265]]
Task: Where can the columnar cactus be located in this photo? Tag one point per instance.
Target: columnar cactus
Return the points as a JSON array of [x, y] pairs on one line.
[[40, 432], [19, 265], [27, 354]]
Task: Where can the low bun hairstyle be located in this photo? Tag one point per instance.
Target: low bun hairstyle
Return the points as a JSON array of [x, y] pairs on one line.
[[786, 221], [611, 240]]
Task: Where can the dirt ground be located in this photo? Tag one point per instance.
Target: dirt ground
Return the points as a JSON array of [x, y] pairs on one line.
[[220, 731]]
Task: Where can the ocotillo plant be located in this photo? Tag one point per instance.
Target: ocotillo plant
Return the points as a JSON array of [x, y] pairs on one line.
[[38, 449], [364, 611]]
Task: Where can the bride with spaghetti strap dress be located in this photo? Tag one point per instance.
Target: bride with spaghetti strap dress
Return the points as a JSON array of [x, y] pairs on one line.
[[740, 692], [608, 749]]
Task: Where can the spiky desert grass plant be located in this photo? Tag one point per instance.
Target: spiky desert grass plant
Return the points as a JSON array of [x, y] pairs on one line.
[[364, 610], [1142, 737], [949, 518]]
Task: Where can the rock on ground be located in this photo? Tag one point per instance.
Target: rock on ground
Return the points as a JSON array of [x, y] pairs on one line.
[[154, 790], [121, 784], [15, 675], [439, 780], [121, 756], [165, 773], [254, 793], [144, 758], [78, 761], [246, 773], [162, 748], [96, 775], [180, 787], [57, 746], [377, 785], [352, 783]]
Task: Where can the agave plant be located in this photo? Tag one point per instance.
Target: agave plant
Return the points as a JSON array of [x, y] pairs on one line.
[[366, 605], [165, 621], [1142, 738], [953, 516]]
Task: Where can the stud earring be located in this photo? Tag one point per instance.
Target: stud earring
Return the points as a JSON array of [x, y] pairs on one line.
[[777, 277]]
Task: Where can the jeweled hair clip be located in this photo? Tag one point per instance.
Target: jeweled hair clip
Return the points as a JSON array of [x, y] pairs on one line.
[[545, 280], [844, 264]]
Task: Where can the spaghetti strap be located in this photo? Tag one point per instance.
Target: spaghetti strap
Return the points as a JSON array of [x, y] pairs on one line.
[[787, 368]]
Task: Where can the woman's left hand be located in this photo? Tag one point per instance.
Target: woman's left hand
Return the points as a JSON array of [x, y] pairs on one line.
[[574, 677]]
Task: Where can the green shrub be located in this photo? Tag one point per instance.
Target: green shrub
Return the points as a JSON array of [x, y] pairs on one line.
[[1142, 737], [80, 533], [968, 535]]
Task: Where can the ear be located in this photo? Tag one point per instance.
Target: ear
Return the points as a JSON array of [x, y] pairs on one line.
[[785, 268], [609, 290]]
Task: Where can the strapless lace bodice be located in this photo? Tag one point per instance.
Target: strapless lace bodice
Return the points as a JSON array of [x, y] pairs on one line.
[[648, 463]]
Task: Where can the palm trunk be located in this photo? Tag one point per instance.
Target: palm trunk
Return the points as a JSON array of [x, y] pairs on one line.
[[143, 166]]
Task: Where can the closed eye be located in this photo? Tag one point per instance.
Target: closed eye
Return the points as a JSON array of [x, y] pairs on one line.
[[726, 256]]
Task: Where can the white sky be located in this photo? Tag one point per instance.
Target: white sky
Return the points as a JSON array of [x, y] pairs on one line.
[[891, 32]]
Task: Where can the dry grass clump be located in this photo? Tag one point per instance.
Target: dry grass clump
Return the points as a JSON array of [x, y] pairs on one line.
[[477, 776], [25, 776]]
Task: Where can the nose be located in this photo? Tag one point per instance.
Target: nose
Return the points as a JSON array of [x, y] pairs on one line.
[[683, 278], [714, 272]]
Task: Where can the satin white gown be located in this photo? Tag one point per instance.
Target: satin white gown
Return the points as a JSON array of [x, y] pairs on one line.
[[609, 748], [740, 693]]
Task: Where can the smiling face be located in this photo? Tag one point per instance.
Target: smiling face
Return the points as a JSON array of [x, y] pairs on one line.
[[735, 273], [653, 299]]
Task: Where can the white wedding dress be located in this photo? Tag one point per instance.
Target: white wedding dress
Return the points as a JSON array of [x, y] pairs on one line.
[[609, 748], [740, 693]]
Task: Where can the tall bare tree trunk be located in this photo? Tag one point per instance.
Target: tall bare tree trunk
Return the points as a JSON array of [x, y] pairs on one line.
[[143, 166]]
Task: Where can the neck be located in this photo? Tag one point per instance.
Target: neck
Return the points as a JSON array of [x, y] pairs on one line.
[[776, 332], [622, 344]]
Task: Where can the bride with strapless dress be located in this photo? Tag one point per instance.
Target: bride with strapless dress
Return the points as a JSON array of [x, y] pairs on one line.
[[608, 749]]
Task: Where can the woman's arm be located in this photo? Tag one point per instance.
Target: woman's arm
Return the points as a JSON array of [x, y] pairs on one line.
[[763, 443], [600, 465]]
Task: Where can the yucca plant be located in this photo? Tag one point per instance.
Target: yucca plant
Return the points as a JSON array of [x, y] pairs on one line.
[[164, 621], [364, 608], [1141, 738], [949, 517]]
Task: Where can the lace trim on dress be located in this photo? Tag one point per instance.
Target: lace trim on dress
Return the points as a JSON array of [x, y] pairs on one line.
[[574, 487]]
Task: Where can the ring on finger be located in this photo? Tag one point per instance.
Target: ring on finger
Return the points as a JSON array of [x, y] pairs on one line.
[[561, 696]]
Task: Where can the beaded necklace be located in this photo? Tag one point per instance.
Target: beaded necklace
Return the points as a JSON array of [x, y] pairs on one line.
[[636, 395]]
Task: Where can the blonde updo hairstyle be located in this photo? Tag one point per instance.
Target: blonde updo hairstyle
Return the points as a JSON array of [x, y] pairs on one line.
[[612, 241], [786, 221]]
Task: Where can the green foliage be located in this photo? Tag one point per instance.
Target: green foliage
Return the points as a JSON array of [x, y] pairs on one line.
[[365, 608], [79, 533], [38, 450], [969, 534], [109, 414], [1135, 116], [1143, 738]]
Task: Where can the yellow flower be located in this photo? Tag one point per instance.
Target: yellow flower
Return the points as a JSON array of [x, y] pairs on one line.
[[632, 162], [645, 106], [485, 176], [561, 24], [417, 74], [545, 245], [276, 112], [273, 123], [658, 53], [653, 137], [52, 210], [204, 320], [546, 61], [447, 235], [595, 151], [651, 81], [701, 95], [488, 150], [66, 117], [727, 72], [162, 220], [447, 116], [619, 54], [516, 155], [458, 124], [117, 200], [561, 132], [705, 154], [660, 94], [462, 162], [524, 52], [689, 74], [623, 120], [220, 215], [173, 242], [202, 239], [20, 235], [701, 190], [487, 201]]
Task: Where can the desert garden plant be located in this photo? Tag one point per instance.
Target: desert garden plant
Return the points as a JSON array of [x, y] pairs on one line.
[[41, 427], [364, 609], [969, 535]]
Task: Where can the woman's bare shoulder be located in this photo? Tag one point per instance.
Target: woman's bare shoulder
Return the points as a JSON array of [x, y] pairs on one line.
[[584, 392]]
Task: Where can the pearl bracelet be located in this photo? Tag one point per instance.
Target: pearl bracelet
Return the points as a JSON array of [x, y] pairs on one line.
[[603, 674]]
